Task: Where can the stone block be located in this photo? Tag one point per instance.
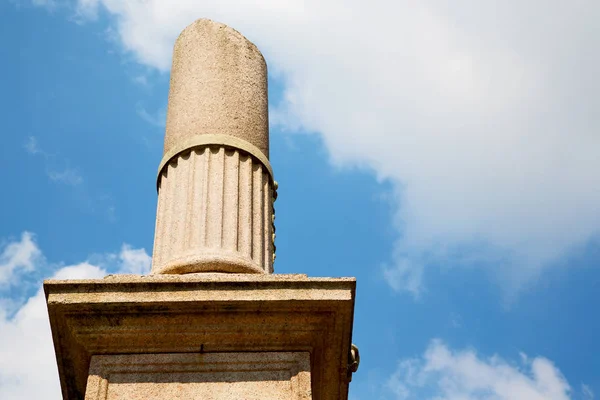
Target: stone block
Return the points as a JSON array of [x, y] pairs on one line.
[[203, 313]]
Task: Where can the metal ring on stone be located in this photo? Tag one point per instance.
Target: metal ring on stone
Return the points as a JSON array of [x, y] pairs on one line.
[[214, 140]]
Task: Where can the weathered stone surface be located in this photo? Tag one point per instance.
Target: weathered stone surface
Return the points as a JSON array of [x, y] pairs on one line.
[[203, 313], [214, 213], [215, 183], [207, 376], [218, 86]]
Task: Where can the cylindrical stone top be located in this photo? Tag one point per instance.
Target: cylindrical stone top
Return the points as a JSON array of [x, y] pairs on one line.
[[218, 87]]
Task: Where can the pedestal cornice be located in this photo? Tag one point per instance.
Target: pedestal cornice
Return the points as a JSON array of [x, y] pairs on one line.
[[196, 313]]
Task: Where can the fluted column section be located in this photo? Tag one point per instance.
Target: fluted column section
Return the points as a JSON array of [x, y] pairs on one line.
[[215, 214]]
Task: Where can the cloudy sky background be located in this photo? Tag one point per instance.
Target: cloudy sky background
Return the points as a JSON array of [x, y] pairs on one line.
[[447, 154]]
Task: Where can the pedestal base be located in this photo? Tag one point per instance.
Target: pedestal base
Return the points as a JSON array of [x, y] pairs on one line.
[[201, 316]]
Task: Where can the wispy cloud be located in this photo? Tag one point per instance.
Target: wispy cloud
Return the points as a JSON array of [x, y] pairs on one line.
[[31, 146], [59, 171], [156, 118], [18, 256], [87, 9], [63, 174], [67, 176], [141, 80], [50, 4], [587, 392], [404, 275]]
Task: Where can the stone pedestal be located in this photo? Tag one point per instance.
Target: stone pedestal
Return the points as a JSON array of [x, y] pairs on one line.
[[209, 336]]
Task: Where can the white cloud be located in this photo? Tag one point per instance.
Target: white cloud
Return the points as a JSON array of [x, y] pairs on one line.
[[134, 261], [483, 117], [443, 374], [87, 8], [17, 256], [28, 364]]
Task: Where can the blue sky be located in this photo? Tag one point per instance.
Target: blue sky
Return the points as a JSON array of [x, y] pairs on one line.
[[448, 158]]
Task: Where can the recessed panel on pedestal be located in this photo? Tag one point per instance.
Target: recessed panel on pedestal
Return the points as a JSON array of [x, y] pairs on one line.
[[206, 376]]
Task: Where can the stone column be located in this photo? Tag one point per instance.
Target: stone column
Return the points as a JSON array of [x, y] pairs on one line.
[[215, 184], [247, 334]]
